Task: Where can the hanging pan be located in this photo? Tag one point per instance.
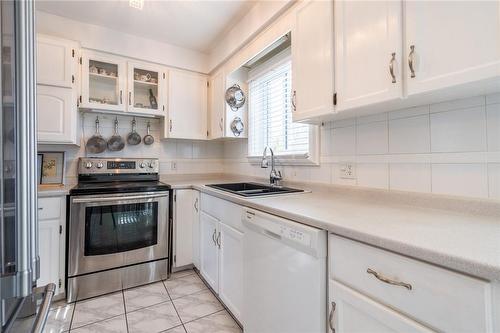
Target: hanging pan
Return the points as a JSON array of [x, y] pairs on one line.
[[133, 137], [116, 142], [96, 144]]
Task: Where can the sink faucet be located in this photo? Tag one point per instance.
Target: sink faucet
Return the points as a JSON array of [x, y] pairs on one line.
[[275, 175]]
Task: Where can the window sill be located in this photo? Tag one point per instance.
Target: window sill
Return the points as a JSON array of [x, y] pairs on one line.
[[295, 159]]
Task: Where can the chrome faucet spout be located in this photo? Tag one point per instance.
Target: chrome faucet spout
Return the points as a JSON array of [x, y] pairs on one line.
[[275, 175]]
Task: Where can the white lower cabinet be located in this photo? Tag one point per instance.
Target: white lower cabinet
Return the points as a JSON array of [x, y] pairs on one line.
[[209, 252], [51, 223], [186, 220], [231, 268], [382, 290], [221, 251]]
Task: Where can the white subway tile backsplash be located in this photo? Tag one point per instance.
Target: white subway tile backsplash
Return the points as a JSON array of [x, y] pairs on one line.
[[465, 103], [371, 118], [459, 131], [343, 141], [373, 175], [493, 118], [184, 149], [410, 177], [321, 173], [469, 180], [493, 99], [344, 123], [494, 180], [326, 140], [410, 112], [372, 138], [409, 135]]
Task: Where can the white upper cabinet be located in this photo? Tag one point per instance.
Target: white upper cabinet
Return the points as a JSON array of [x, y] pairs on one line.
[[449, 43], [103, 82], [56, 61], [217, 105], [187, 106], [147, 92], [368, 52], [57, 67], [312, 60]]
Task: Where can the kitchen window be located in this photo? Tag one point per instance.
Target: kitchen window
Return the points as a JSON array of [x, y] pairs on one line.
[[270, 114]]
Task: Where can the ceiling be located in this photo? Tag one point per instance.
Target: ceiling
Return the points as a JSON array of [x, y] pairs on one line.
[[194, 24]]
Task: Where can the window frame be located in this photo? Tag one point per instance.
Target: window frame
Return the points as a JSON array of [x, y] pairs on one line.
[[309, 158]]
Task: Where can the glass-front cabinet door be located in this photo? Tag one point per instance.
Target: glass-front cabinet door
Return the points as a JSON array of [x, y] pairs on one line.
[[146, 88], [103, 82]]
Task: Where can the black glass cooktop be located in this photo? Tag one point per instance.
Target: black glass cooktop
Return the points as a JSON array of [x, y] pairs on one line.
[[118, 187]]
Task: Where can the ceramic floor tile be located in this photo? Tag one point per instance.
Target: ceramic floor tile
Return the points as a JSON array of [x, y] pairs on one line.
[[156, 318], [113, 325], [183, 273], [143, 296], [97, 309], [178, 329], [184, 286], [197, 305], [220, 322], [59, 319]]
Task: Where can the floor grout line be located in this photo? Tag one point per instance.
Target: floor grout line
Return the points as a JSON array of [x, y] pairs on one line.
[[125, 309]]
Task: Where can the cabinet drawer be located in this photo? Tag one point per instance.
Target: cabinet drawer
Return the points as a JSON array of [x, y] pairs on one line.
[[223, 210], [441, 299], [49, 208]]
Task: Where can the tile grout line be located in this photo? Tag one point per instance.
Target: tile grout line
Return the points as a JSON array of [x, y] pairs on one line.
[[125, 309], [175, 309]]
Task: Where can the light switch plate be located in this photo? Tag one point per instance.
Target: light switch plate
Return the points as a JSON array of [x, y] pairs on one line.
[[347, 171]]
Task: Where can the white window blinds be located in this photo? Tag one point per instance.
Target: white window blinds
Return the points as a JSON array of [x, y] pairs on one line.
[[270, 114]]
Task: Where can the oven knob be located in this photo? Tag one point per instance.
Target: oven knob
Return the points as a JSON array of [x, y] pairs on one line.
[[142, 165], [151, 164], [88, 165], [99, 165]]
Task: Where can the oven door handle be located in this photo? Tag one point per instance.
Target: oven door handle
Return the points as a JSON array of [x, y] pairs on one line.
[[108, 199]]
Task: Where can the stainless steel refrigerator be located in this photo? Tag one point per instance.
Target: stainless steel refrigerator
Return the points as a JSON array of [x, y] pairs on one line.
[[23, 307]]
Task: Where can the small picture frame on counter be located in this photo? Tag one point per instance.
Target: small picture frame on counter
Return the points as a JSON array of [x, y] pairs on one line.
[[51, 168]]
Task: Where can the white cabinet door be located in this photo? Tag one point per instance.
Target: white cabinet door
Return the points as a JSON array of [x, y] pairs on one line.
[[187, 106], [103, 82], [196, 229], [147, 92], [209, 252], [231, 268], [453, 42], [57, 116], [49, 252], [217, 105], [312, 60], [56, 61], [352, 312], [184, 217], [368, 52]]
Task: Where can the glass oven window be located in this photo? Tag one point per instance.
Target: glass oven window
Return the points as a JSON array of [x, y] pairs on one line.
[[118, 228]]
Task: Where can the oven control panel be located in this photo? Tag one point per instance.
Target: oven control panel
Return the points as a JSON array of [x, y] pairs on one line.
[[96, 165]]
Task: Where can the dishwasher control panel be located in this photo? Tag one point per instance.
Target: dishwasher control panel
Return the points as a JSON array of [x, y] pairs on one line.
[[295, 235]]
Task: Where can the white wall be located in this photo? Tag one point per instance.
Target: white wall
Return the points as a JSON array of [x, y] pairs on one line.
[[107, 40], [190, 157], [447, 148]]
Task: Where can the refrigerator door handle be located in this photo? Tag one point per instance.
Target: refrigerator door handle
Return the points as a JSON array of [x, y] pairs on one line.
[[43, 313]]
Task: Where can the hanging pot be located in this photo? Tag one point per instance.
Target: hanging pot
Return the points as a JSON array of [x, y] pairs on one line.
[[116, 142], [148, 138], [235, 97], [133, 137], [96, 144]]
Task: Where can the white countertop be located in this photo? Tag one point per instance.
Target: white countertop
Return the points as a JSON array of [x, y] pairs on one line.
[[460, 234]]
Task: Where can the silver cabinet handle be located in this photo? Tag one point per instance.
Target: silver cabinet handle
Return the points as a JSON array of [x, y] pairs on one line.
[[213, 237], [330, 317], [129, 98], [170, 122], [391, 67], [410, 60], [220, 124], [121, 96], [121, 198], [196, 204], [294, 98], [218, 240], [41, 318], [387, 280]]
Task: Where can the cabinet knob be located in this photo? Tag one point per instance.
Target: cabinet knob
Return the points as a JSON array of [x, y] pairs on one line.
[[294, 98]]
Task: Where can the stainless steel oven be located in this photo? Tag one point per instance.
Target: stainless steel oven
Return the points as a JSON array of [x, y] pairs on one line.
[[118, 239]]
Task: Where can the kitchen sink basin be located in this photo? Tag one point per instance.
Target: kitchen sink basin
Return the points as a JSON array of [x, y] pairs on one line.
[[254, 189]]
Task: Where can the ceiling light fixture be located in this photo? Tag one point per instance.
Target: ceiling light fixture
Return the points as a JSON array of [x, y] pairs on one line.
[[137, 4]]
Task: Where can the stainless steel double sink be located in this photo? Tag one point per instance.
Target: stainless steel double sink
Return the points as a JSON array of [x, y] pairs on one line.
[[253, 189]]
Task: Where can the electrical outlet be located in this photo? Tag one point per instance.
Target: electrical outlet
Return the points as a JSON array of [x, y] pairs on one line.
[[347, 171], [173, 165]]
